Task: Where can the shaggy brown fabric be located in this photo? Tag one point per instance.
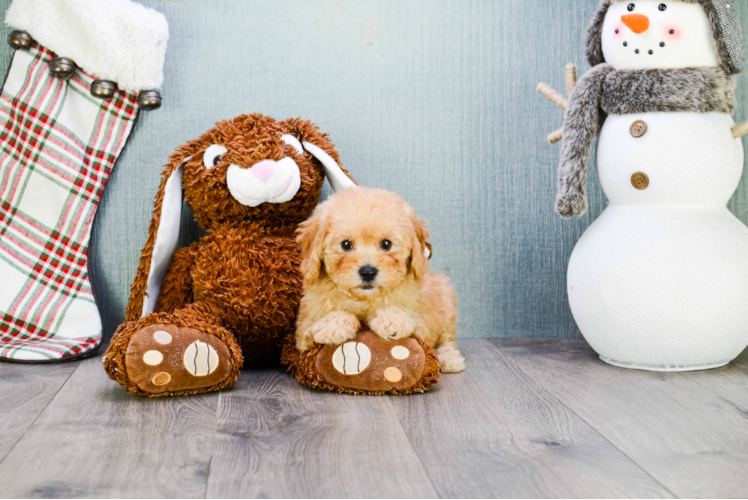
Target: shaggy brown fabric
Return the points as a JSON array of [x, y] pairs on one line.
[[244, 275], [305, 367], [249, 276], [176, 290]]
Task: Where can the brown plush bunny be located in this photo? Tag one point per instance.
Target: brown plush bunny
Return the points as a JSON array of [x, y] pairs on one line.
[[197, 314]]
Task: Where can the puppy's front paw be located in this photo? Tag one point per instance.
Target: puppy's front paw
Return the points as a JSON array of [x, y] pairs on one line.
[[335, 328], [450, 359], [392, 324]]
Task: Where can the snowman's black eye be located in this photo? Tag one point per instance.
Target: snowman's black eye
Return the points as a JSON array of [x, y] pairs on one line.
[[631, 7], [663, 6], [347, 245]]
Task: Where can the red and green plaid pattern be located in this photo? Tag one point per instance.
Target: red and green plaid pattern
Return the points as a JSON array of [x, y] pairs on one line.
[[58, 145]]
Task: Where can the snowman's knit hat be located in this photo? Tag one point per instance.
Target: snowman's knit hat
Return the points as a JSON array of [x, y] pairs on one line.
[[725, 26]]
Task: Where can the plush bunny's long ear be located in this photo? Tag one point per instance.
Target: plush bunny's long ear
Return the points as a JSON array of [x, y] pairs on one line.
[[339, 180], [161, 244]]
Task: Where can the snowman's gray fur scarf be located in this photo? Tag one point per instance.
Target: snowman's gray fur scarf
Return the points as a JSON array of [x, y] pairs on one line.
[[604, 90]]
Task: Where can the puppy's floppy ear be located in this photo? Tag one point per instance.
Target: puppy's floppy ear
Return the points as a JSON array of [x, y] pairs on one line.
[[311, 236], [421, 252], [163, 233]]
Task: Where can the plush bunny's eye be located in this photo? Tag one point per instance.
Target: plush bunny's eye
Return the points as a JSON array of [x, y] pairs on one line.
[[293, 142], [631, 7], [213, 155]]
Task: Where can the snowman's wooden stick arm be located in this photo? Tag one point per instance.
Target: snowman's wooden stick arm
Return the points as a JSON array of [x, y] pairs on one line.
[[558, 99], [571, 78], [739, 131], [553, 96], [556, 136]]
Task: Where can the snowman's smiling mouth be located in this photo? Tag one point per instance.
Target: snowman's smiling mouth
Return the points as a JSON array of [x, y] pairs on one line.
[[650, 51]]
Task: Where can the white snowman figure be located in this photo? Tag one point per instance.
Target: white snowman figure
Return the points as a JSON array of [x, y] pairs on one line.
[[660, 280]]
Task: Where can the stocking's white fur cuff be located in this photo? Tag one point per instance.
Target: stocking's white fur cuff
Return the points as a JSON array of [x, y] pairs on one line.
[[116, 40]]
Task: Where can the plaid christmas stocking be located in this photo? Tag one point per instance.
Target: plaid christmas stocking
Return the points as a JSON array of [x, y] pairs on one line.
[[82, 71]]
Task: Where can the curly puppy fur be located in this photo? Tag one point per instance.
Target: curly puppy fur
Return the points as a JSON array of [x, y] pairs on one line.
[[404, 298], [245, 274]]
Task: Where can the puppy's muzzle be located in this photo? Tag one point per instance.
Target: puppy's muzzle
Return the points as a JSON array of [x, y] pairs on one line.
[[368, 273]]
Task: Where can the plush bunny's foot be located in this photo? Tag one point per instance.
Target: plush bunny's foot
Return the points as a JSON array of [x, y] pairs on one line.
[[159, 358], [366, 364], [166, 358]]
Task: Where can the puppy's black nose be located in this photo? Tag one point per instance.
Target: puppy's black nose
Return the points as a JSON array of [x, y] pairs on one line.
[[368, 273]]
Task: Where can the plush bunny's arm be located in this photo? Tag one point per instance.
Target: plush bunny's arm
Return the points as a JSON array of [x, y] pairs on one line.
[[176, 289]]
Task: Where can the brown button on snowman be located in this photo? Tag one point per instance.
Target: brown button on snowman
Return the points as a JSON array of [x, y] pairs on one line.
[[669, 158], [638, 129]]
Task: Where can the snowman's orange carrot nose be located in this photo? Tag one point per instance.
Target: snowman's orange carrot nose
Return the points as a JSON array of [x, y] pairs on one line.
[[638, 23]]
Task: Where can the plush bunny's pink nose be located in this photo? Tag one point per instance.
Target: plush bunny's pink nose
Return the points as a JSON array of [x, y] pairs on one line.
[[264, 170]]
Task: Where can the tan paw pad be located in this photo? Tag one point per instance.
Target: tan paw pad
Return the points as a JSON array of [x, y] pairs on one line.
[[400, 352], [393, 375], [351, 358], [153, 358], [200, 359], [162, 337], [161, 378]]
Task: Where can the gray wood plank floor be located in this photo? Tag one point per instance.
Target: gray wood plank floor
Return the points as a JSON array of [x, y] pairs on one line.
[[529, 418]]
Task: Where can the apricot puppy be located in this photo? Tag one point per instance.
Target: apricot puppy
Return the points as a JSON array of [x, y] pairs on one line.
[[365, 263]]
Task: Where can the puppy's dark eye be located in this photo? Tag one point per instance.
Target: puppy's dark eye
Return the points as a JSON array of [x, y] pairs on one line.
[[386, 244], [631, 7], [663, 6], [347, 245]]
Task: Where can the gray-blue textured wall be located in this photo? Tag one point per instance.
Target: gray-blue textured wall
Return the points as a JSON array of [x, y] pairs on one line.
[[434, 99]]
